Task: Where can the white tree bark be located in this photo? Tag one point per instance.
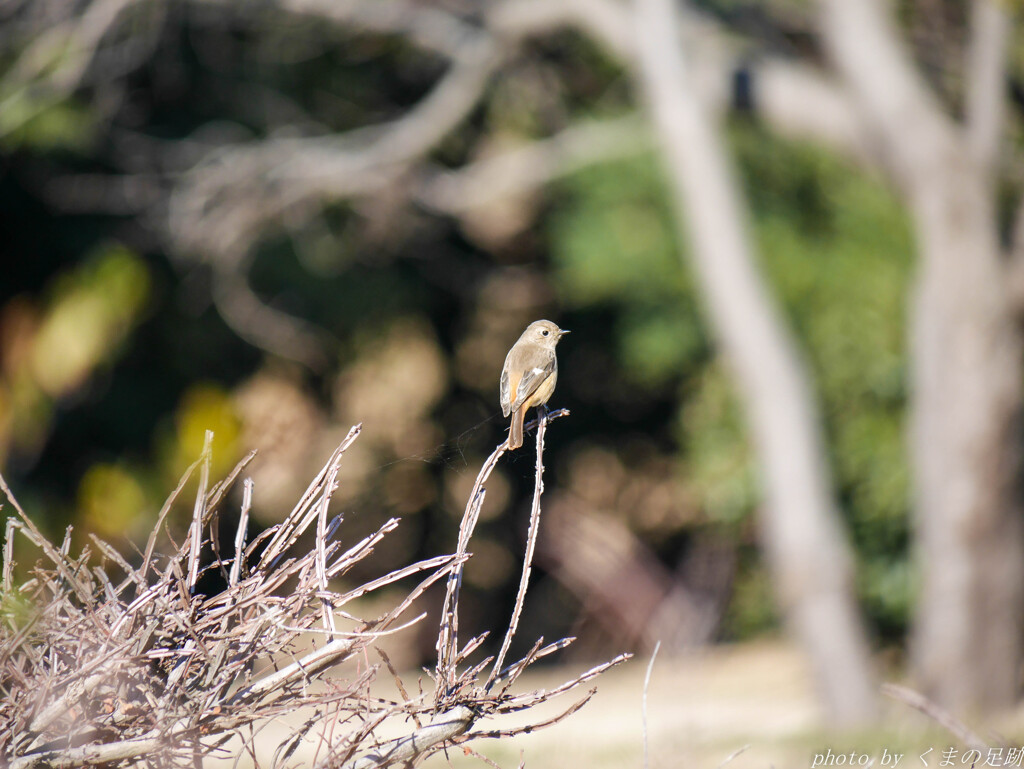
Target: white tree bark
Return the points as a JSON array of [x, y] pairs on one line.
[[807, 550], [966, 353]]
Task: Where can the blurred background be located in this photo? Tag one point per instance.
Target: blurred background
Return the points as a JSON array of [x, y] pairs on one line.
[[784, 240]]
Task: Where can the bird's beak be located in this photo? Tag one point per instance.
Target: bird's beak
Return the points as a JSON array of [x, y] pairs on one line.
[[562, 332]]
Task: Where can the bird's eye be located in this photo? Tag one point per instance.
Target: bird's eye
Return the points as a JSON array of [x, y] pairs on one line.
[[545, 332]]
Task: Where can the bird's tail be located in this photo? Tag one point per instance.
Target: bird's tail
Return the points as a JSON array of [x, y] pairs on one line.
[[515, 430]]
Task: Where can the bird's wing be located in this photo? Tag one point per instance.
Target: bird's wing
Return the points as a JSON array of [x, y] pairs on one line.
[[532, 379], [508, 391]]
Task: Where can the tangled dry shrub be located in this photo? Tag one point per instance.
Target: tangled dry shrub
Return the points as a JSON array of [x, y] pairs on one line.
[[142, 669]]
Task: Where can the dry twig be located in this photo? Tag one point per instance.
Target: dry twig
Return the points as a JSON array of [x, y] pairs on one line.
[[145, 670], [942, 717]]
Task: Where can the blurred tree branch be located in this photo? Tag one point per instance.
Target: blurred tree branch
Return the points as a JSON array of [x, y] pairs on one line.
[[966, 349], [224, 199], [526, 169], [57, 58], [808, 552], [986, 82]]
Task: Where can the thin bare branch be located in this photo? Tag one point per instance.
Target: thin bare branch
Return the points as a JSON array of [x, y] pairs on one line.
[[448, 637], [243, 527], [531, 548], [939, 715], [736, 753], [445, 728], [643, 703], [199, 512], [101, 674]]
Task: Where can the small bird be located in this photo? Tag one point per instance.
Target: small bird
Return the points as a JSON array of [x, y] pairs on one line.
[[529, 375]]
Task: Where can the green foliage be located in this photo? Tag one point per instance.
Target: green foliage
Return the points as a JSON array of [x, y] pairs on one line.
[[836, 250], [751, 609], [44, 124], [614, 246], [719, 461], [92, 310], [616, 243], [110, 499]]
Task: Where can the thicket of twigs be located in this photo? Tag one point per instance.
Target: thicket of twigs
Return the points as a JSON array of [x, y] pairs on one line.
[[119, 660]]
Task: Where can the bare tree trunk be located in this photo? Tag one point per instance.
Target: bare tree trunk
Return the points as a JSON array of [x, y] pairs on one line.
[[966, 353], [807, 550]]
